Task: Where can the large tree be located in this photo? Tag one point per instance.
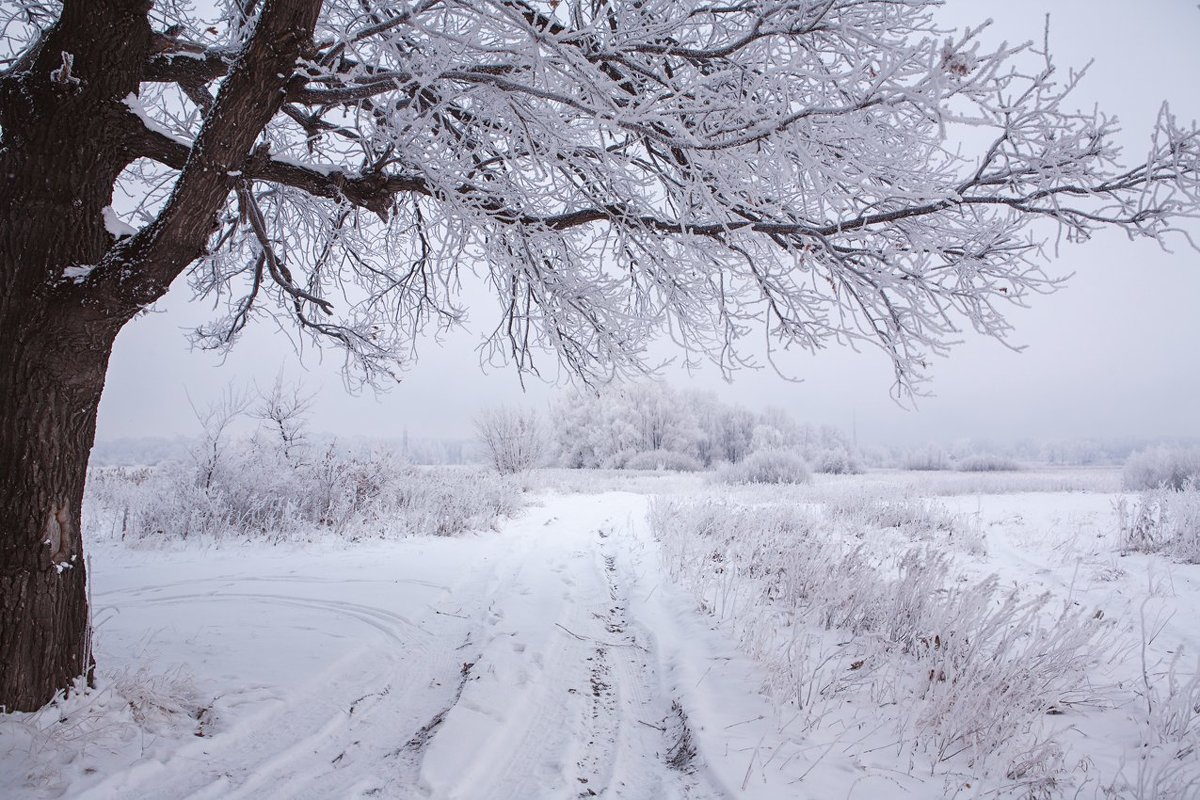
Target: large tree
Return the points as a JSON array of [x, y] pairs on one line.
[[829, 170]]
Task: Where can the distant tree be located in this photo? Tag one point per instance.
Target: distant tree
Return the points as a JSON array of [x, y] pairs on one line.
[[512, 438], [612, 168], [1163, 467], [658, 417], [728, 431], [573, 424], [284, 407]]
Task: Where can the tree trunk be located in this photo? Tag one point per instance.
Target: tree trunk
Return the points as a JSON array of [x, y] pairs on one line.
[[51, 381], [62, 149]]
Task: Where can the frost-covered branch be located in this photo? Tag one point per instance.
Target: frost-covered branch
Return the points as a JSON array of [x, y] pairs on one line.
[[617, 171]]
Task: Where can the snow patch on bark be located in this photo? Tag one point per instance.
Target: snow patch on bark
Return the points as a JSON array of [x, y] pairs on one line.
[[114, 225], [78, 273]]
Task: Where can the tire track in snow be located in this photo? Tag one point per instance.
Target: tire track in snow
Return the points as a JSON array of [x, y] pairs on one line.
[[332, 736], [565, 700], [654, 754], [394, 626], [527, 677], [505, 736]]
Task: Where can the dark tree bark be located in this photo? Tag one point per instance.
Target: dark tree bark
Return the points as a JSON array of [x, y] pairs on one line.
[[67, 286], [61, 154]]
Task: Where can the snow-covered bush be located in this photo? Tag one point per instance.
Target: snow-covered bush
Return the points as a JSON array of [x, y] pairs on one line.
[[512, 438], [1162, 467], [766, 466], [278, 484], [1162, 521], [662, 460], [987, 463], [616, 460], [836, 461]]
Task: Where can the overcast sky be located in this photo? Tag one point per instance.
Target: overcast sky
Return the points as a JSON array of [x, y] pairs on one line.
[[1113, 354]]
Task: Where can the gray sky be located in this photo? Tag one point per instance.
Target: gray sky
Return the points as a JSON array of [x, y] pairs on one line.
[[1113, 354]]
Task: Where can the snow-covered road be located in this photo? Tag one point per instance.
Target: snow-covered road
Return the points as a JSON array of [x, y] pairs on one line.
[[548, 659], [556, 658]]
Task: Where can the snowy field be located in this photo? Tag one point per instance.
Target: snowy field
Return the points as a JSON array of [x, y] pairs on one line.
[[893, 634]]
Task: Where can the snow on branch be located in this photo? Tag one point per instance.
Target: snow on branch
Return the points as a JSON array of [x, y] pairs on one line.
[[618, 170]]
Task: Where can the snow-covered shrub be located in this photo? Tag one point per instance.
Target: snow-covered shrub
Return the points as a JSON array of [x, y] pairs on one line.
[[766, 466], [662, 460], [986, 463], [512, 438], [1162, 521], [1162, 468], [836, 461], [616, 460], [277, 484]]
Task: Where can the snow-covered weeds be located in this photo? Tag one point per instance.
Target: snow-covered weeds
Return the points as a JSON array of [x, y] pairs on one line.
[[255, 497], [278, 483], [661, 460], [963, 674], [951, 483], [129, 715], [1162, 521], [1166, 717], [915, 518]]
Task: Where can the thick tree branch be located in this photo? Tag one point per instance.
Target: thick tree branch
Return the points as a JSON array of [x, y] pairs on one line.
[[138, 270], [373, 192], [188, 67]]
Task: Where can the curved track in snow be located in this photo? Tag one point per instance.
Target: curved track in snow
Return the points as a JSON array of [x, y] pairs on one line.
[[506, 666]]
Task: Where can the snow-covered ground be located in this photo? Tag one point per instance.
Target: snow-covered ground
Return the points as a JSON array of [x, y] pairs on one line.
[[567, 654]]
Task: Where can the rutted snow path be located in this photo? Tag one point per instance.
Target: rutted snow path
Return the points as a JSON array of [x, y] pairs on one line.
[[548, 660]]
